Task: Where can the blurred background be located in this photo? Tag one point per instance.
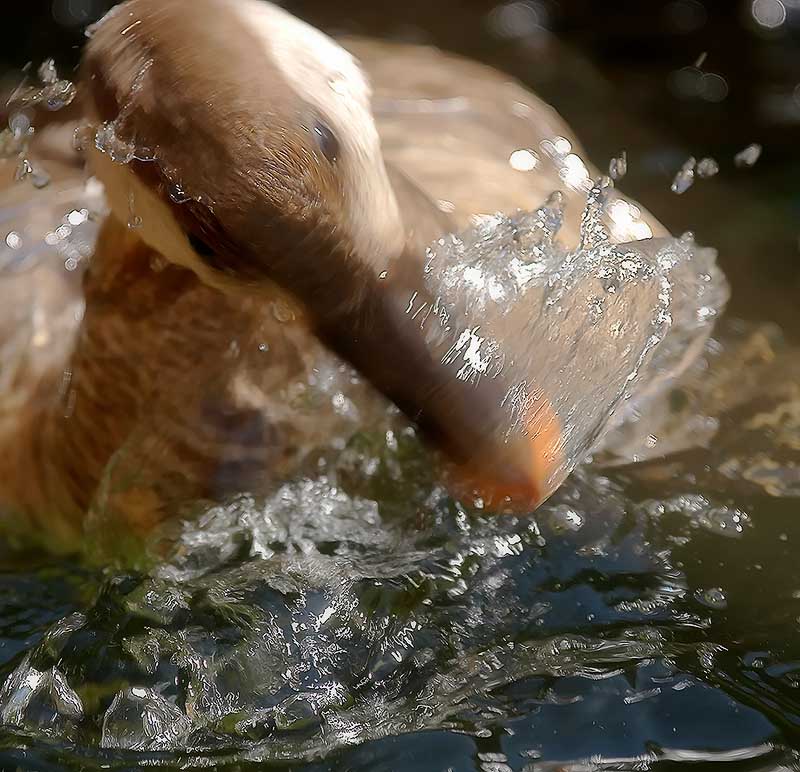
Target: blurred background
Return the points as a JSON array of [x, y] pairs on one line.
[[662, 79]]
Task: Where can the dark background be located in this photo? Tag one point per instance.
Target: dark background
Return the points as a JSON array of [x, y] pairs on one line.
[[621, 72]]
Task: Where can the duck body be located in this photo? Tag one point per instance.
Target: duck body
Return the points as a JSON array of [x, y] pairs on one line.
[[187, 371]]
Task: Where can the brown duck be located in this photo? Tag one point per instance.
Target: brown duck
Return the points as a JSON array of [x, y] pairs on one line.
[[283, 189]]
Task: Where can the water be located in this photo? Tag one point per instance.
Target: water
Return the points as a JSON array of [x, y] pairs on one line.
[[339, 613], [361, 618], [647, 616]]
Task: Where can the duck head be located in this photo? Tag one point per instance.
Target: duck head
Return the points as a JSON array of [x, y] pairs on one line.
[[243, 141]]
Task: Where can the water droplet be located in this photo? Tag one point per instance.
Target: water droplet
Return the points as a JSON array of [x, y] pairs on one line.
[[59, 95], [78, 216], [178, 194], [748, 156], [618, 167], [338, 84], [23, 169], [282, 311], [769, 14], [47, 71], [523, 160], [39, 177], [707, 167], [134, 220], [83, 138], [19, 123], [562, 145], [13, 240], [565, 518], [107, 141], [684, 179]]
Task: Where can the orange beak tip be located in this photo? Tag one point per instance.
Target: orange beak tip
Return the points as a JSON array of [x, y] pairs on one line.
[[518, 476]]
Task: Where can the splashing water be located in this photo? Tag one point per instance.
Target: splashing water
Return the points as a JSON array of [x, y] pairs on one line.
[[581, 335], [317, 617], [51, 94]]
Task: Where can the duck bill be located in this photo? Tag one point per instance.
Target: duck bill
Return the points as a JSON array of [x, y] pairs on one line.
[[501, 452]]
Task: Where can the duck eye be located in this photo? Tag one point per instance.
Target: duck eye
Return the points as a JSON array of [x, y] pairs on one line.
[[327, 141]]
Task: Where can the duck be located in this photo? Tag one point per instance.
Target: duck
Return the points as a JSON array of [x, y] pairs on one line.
[[270, 194]]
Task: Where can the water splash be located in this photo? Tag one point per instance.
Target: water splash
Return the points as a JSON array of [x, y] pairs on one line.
[[108, 141], [52, 93], [588, 332], [315, 617]]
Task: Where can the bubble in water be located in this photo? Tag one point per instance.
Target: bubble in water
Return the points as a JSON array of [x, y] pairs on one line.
[[748, 156], [684, 178], [707, 167], [769, 14]]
